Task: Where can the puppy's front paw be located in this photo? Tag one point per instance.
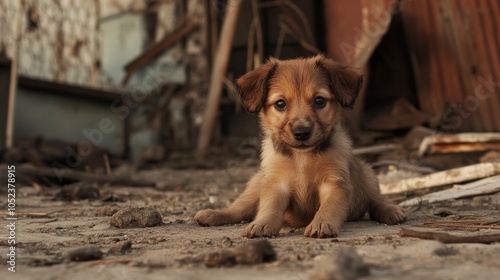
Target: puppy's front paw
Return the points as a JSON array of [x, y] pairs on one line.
[[210, 218], [389, 214], [320, 229], [260, 230]]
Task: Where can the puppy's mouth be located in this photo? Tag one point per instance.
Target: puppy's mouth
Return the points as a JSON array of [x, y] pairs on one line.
[[302, 146]]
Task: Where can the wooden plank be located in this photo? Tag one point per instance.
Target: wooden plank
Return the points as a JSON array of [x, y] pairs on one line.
[[5, 72], [218, 73], [9, 131], [70, 90], [462, 142], [447, 177], [155, 50], [447, 238], [481, 187], [375, 149]]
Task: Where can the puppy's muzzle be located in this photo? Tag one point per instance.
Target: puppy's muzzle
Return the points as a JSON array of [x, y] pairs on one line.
[[302, 133]]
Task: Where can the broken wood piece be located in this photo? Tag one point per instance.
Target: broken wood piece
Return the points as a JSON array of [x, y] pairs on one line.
[[375, 149], [217, 75], [155, 50], [37, 187], [481, 187], [467, 222], [405, 166], [458, 225], [70, 174], [44, 222], [447, 238], [24, 214], [106, 164], [457, 143], [447, 177]]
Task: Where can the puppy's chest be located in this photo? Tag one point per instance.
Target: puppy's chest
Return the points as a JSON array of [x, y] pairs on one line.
[[303, 174]]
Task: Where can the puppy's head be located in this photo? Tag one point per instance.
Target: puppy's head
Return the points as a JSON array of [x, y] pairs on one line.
[[299, 100]]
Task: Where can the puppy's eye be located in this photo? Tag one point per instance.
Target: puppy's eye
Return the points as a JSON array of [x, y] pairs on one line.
[[319, 102], [280, 105]]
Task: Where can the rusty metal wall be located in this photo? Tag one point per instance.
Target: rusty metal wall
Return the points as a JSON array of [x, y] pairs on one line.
[[455, 49], [353, 30]]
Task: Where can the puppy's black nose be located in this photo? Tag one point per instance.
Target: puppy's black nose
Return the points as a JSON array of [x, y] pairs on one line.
[[302, 133]]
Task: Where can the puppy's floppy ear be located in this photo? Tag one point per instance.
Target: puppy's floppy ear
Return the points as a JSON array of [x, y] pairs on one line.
[[253, 86], [345, 82]]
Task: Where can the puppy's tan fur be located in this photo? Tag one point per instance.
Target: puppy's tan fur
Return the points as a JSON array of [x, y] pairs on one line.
[[314, 183]]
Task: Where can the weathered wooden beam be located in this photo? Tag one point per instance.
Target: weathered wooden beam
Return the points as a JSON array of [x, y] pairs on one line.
[[481, 187], [447, 177], [218, 72], [155, 50], [447, 238], [462, 142], [375, 149]]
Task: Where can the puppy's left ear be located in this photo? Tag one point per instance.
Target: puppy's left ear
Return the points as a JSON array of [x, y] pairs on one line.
[[253, 86], [345, 82]]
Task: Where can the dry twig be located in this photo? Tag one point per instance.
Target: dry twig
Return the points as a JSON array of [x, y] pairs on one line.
[[447, 238]]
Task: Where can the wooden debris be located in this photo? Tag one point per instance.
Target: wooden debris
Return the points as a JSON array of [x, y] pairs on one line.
[[458, 143], [447, 238], [106, 164], [155, 50], [447, 177], [37, 187], [375, 149], [456, 225], [405, 166], [218, 72], [44, 222], [25, 214], [481, 187], [69, 174]]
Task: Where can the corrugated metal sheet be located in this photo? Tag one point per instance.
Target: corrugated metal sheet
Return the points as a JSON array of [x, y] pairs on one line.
[[455, 46], [353, 29]]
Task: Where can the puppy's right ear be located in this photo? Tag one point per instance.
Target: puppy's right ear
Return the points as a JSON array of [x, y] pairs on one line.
[[253, 86]]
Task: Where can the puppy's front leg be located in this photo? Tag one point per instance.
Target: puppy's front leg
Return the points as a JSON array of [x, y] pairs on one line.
[[243, 208], [333, 210], [274, 199]]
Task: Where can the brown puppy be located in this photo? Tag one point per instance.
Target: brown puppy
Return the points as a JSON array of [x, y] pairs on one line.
[[308, 175]]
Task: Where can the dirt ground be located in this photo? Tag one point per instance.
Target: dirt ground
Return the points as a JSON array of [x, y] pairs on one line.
[[176, 248]]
